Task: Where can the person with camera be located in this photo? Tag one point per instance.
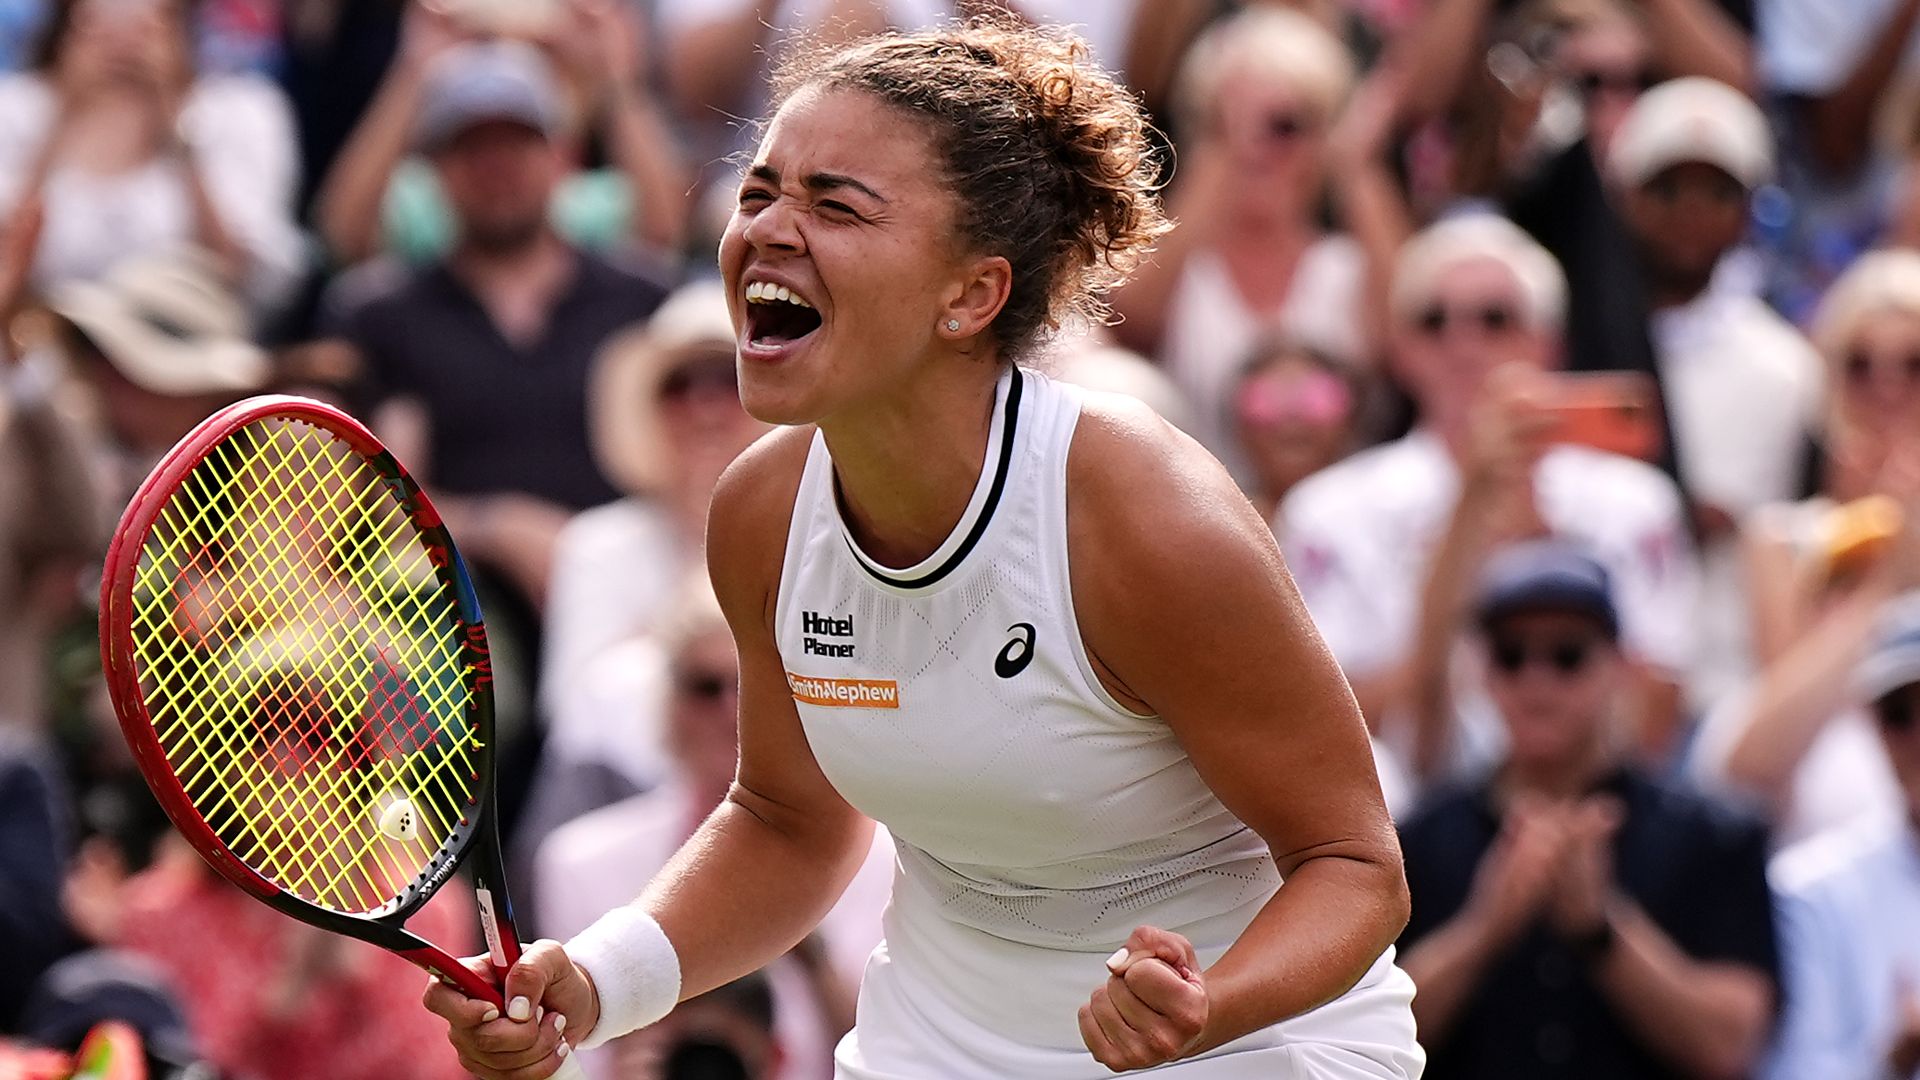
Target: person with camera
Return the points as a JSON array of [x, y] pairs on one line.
[[1477, 309]]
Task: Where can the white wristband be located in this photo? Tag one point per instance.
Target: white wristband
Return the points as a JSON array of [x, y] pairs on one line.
[[634, 968]]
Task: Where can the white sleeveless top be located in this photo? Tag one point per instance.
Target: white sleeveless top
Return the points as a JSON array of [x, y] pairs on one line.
[[1037, 821]]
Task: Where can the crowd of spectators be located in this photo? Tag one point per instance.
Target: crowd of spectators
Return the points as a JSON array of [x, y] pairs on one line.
[[1572, 348]]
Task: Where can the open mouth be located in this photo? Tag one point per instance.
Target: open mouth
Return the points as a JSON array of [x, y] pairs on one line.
[[776, 315]]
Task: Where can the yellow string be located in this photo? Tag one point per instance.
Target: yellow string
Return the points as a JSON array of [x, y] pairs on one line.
[[323, 675]]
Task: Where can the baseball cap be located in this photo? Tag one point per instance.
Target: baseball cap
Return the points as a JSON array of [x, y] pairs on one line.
[[168, 324], [1893, 661], [1546, 575], [487, 80], [1692, 119]]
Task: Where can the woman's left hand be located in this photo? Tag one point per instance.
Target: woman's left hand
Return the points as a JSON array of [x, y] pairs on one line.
[[1153, 1006]]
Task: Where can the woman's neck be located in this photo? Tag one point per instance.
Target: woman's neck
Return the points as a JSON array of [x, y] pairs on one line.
[[907, 467]]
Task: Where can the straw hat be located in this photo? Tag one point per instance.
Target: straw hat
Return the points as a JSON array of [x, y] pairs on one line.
[[167, 323], [628, 440]]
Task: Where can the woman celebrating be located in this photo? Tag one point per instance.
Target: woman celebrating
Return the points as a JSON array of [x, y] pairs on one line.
[[1039, 635]]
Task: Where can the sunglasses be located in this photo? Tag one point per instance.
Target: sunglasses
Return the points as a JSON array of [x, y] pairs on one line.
[[1311, 397], [1595, 82], [1863, 370], [681, 382], [705, 686], [1495, 319], [1568, 656]]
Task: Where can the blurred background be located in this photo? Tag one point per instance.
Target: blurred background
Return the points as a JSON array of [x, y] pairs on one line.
[[1572, 348]]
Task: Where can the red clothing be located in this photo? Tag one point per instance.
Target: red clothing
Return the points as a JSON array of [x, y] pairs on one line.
[[357, 1014]]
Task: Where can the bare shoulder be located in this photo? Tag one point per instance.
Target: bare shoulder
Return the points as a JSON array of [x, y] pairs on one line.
[[748, 520], [1141, 492]]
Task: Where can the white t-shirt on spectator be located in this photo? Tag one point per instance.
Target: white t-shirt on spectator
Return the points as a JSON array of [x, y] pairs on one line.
[[1808, 47], [1744, 388], [1359, 537], [1843, 780], [241, 131], [1847, 909], [601, 860], [617, 571], [1211, 328]]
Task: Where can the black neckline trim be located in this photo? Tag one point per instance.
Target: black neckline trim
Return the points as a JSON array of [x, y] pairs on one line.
[[1000, 472]]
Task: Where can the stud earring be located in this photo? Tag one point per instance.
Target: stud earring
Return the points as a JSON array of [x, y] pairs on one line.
[[953, 326]]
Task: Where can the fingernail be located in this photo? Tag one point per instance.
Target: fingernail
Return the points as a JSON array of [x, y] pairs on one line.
[[560, 1024], [564, 1048], [539, 1013], [1115, 961], [490, 1015], [519, 1008]]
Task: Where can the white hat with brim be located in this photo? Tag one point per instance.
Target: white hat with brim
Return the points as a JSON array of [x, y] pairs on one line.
[[1692, 120], [628, 439], [168, 324]]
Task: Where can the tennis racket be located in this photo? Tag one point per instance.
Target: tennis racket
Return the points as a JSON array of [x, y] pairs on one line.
[[297, 658]]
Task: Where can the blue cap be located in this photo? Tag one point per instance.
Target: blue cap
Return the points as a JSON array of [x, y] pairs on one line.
[[1894, 659], [488, 80], [1546, 575]]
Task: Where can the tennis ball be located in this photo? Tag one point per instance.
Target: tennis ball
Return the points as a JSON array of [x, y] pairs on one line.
[[399, 821]]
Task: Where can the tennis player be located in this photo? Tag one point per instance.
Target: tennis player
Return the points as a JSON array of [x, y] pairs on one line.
[[1038, 633]]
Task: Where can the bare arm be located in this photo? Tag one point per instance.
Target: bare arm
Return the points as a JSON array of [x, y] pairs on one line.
[[1146, 300], [1710, 1018], [646, 150], [1839, 123], [1695, 37], [347, 206], [764, 869], [1438, 51], [1254, 697]]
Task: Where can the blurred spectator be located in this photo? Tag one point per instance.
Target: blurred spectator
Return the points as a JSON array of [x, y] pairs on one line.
[[1092, 364], [666, 421], [378, 198], [729, 1033], [51, 524], [1742, 387], [162, 344], [1820, 571], [1257, 96], [1835, 70], [282, 999], [33, 847], [1572, 915], [87, 990], [1849, 903], [334, 54], [1296, 411], [1364, 537], [488, 352], [132, 152], [605, 858]]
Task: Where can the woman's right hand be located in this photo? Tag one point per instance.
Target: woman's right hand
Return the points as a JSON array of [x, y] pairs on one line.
[[551, 1005]]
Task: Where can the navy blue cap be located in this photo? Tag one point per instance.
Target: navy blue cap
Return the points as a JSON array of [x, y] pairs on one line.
[[1546, 575], [1894, 659]]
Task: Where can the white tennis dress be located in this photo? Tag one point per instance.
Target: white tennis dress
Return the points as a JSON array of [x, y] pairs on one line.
[[1038, 822]]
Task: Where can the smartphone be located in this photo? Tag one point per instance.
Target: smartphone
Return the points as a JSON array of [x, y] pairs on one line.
[[1614, 411]]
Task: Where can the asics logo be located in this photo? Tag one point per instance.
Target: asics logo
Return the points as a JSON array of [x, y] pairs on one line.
[[1018, 653]]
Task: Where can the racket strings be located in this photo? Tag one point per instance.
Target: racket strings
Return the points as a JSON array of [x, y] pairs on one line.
[[302, 664]]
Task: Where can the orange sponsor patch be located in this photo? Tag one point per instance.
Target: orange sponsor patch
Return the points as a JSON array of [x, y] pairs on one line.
[[845, 693]]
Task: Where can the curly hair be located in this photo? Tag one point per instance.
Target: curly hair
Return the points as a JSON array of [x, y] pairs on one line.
[[1048, 155]]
